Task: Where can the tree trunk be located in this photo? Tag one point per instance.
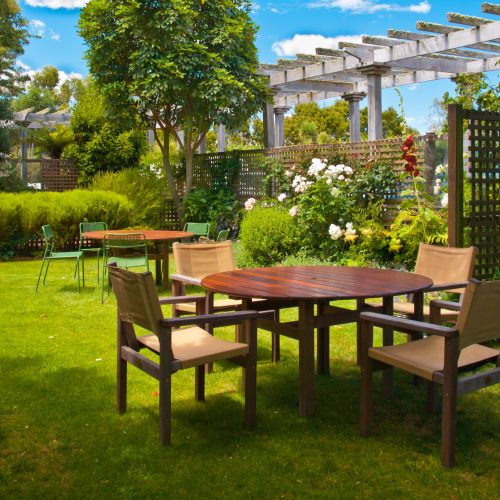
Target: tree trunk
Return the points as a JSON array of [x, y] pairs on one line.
[[165, 148], [188, 152]]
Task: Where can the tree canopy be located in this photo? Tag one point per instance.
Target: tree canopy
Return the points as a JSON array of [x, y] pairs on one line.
[[13, 35], [183, 65]]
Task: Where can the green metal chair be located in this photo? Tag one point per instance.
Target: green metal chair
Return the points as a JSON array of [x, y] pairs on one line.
[[198, 229], [91, 226], [222, 236], [124, 250], [51, 253]]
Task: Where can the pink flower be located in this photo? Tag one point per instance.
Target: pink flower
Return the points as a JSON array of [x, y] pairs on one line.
[[281, 197], [250, 203], [294, 211]]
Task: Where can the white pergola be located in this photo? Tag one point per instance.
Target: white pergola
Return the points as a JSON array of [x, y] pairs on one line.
[[357, 70]]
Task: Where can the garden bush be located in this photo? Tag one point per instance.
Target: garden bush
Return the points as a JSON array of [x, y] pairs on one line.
[[23, 214], [268, 235]]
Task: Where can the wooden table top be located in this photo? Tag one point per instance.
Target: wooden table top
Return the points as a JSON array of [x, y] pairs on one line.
[[151, 234], [315, 283]]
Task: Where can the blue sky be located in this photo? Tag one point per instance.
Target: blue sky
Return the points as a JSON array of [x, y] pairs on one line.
[[285, 28]]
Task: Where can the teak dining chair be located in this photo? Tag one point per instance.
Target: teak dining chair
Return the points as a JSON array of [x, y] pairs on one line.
[[449, 268], [178, 348], [51, 253], [440, 356], [194, 261]]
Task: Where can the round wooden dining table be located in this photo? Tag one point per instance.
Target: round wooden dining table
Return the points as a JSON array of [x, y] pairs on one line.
[[159, 236], [308, 286]]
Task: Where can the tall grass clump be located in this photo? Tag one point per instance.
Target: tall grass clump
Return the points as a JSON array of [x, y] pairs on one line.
[[144, 188]]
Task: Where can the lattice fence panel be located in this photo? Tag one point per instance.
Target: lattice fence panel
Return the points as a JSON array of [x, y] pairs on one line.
[[58, 175], [484, 172]]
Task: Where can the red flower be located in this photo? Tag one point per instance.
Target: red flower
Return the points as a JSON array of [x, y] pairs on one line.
[[410, 157]]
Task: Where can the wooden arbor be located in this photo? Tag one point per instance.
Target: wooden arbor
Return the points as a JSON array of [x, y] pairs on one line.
[[357, 69]]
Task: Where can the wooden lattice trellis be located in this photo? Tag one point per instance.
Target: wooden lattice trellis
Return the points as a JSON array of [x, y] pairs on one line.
[[478, 222], [249, 181], [58, 175]]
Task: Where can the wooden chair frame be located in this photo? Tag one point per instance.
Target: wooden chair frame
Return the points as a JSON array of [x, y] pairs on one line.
[[129, 347], [453, 386]]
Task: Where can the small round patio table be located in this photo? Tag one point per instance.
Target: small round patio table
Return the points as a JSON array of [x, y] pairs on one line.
[[158, 236], [307, 286]]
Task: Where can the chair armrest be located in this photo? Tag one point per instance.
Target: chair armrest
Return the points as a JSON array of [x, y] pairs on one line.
[[188, 280], [447, 286], [182, 299], [212, 319], [445, 304], [408, 324]]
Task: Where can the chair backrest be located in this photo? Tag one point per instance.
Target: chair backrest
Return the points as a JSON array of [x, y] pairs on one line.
[[198, 228], [222, 236], [125, 240], [48, 238], [92, 226], [137, 298], [201, 259], [479, 318], [446, 264]]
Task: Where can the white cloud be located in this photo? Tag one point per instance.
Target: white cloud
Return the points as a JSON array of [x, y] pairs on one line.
[[39, 29], [306, 44], [58, 4], [371, 6]]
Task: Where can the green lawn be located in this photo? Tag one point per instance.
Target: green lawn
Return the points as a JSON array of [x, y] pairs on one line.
[[61, 437]]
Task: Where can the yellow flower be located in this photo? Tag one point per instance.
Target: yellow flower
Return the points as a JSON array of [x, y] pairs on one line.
[[350, 238]]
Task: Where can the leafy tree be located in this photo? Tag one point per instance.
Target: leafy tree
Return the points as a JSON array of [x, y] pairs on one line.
[[46, 78], [53, 142], [36, 98], [13, 35], [104, 141], [181, 64], [393, 124], [472, 91]]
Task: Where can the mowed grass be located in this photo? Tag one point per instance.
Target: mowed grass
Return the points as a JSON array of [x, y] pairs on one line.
[[60, 435]]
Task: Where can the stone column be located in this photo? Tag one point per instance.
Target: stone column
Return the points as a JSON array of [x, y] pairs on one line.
[[279, 125], [354, 120], [221, 138], [374, 84], [268, 117]]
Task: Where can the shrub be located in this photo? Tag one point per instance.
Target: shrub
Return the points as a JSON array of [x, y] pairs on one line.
[[144, 188], [23, 214], [268, 235]]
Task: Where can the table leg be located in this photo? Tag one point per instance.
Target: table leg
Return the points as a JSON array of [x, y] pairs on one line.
[[360, 306], [164, 253], [323, 345], [388, 339], [306, 358]]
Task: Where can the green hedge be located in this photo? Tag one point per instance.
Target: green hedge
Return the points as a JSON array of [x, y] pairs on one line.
[[23, 214]]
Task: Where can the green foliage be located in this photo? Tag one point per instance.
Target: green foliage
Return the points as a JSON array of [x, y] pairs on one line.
[[268, 235], [103, 142], [13, 35], [188, 64], [36, 98], [393, 124], [220, 209], [53, 142], [22, 215], [145, 190], [372, 182]]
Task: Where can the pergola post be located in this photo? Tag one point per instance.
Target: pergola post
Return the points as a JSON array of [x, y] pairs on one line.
[[354, 117], [268, 117], [374, 74], [279, 125], [221, 138], [202, 148], [24, 153]]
